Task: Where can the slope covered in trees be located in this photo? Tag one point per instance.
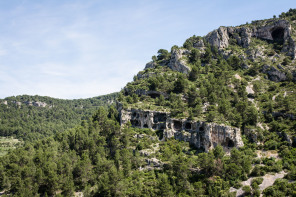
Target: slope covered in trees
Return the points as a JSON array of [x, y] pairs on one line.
[[33, 117], [100, 159]]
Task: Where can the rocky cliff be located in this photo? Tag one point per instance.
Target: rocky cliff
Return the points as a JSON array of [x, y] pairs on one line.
[[202, 135], [272, 30]]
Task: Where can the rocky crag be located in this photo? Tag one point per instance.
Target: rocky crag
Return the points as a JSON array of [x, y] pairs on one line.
[[202, 135], [265, 47], [272, 30]]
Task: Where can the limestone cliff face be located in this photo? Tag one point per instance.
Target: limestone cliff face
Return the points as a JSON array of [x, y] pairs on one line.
[[201, 135], [176, 61], [273, 30]]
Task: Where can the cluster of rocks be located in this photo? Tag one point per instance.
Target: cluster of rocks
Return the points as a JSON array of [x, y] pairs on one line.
[[273, 30], [273, 74], [277, 75], [30, 103], [277, 30], [177, 62], [202, 135]]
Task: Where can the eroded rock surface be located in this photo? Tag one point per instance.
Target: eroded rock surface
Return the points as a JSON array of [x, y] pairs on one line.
[[177, 62], [273, 74], [273, 30], [202, 135]]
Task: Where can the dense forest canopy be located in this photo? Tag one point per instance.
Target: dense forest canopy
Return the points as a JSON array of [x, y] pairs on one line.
[[33, 117]]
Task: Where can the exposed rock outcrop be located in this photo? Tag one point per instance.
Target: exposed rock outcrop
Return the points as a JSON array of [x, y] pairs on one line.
[[202, 135], [151, 64], [273, 73], [141, 75], [273, 30], [219, 37], [177, 62], [30, 103]]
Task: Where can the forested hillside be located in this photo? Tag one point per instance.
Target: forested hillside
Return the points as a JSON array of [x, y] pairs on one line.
[[33, 117], [214, 117]]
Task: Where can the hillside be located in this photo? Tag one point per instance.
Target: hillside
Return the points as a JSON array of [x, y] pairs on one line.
[[214, 117], [34, 117]]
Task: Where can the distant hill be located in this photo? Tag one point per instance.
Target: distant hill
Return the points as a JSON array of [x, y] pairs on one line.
[[33, 117]]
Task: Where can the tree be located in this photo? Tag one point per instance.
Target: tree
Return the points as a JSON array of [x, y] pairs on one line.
[[234, 62], [160, 101], [194, 56], [193, 75], [247, 190], [252, 115], [165, 189], [208, 55], [180, 84], [219, 152], [163, 54]]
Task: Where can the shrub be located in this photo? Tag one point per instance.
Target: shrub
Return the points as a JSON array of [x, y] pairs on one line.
[[247, 190]]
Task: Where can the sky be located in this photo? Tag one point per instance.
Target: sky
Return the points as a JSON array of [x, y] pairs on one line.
[[74, 49]]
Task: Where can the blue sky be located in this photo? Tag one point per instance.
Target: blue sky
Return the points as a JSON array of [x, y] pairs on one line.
[[85, 48]]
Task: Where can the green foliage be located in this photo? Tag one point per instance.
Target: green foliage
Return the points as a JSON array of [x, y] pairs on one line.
[[234, 62], [191, 42], [247, 190], [163, 54], [286, 61], [28, 121], [193, 75], [180, 84]]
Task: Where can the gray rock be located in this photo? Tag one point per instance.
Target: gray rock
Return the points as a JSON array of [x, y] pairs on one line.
[[177, 63], [280, 67], [218, 38], [269, 31], [154, 162], [141, 75], [151, 64], [199, 45], [202, 135], [273, 73]]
